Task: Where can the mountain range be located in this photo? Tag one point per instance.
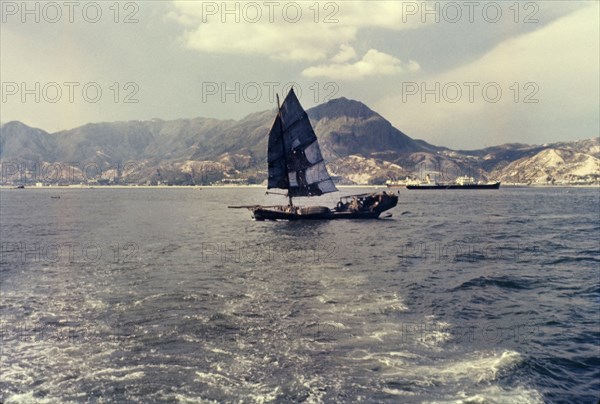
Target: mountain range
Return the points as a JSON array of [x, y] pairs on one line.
[[359, 145]]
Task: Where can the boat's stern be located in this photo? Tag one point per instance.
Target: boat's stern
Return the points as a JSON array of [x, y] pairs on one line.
[[385, 201]]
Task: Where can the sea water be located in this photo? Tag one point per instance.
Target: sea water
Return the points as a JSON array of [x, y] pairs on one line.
[[165, 295]]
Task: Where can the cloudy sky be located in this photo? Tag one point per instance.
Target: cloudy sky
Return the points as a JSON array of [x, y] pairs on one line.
[[458, 74]]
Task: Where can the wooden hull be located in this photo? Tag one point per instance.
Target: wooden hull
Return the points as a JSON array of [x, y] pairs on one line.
[[286, 212], [272, 214]]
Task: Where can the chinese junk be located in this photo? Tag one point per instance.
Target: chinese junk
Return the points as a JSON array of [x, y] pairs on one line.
[[296, 165]]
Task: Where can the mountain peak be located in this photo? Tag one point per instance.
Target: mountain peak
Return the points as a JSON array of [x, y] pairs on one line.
[[341, 107], [20, 127], [14, 124]]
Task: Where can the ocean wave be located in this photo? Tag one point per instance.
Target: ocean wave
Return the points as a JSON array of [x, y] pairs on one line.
[[503, 282]]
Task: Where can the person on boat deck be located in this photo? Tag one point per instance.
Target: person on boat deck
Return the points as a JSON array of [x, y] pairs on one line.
[[356, 204]]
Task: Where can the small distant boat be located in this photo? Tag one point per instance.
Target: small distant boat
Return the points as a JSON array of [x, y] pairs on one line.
[[295, 164], [55, 196], [463, 182], [20, 186]]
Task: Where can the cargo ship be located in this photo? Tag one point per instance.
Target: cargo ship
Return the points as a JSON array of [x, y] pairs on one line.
[[463, 182]]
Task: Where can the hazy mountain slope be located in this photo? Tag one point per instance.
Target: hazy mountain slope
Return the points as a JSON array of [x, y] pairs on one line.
[[558, 163], [19, 142], [347, 127], [359, 145]]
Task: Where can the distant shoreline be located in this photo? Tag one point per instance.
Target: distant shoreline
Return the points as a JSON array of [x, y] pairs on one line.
[[54, 187], [199, 187]]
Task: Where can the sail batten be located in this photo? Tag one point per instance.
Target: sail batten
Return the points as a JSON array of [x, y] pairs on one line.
[[295, 161]]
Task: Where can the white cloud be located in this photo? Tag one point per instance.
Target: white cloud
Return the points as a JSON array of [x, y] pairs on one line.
[[560, 60], [373, 63], [294, 42], [345, 54], [304, 31]]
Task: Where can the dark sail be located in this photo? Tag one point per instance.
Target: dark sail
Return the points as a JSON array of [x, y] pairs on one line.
[[294, 156]]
